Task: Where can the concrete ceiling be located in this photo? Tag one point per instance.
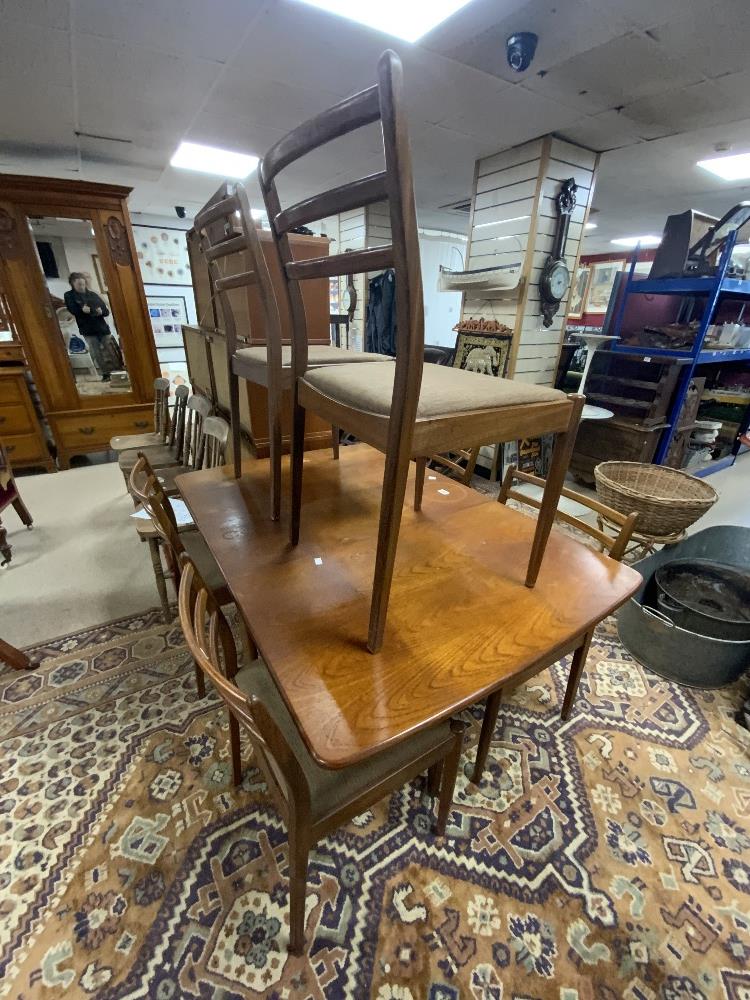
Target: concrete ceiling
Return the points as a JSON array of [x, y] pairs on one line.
[[106, 89]]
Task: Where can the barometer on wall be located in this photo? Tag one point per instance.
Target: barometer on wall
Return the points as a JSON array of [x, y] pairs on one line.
[[555, 279]]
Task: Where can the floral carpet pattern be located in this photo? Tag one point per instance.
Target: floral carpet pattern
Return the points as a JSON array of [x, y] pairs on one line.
[[603, 858]]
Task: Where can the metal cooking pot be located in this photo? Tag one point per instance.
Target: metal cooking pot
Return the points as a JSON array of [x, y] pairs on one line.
[[704, 596]]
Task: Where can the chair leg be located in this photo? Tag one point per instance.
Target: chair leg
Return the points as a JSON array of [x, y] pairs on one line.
[[200, 682], [14, 657], [419, 482], [274, 444], [161, 583], [450, 771], [433, 778], [335, 442], [574, 679], [298, 860], [471, 465], [491, 709], [298, 454], [561, 454], [23, 512], [234, 415], [391, 507], [234, 744]]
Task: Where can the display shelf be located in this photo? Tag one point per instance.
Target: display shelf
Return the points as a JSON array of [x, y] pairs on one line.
[[689, 286], [713, 288]]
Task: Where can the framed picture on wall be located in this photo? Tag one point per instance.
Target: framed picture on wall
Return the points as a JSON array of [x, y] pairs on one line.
[[162, 255], [600, 286], [578, 292], [167, 314]]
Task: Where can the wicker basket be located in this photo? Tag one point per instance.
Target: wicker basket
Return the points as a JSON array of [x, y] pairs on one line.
[[666, 500]]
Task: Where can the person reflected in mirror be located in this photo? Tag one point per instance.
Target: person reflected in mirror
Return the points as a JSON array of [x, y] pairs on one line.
[[90, 310]]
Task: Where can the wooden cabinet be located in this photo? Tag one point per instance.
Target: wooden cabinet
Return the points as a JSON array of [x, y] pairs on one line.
[[81, 227], [20, 429], [206, 348]]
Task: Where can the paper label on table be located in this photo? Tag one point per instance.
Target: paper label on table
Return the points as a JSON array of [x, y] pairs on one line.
[[446, 493], [432, 477], [318, 561], [181, 513], [142, 515]]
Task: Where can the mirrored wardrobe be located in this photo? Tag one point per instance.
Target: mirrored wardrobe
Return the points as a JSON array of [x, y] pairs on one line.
[[72, 287]]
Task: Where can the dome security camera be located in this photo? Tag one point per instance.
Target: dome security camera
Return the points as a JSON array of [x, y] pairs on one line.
[[180, 210], [520, 49]]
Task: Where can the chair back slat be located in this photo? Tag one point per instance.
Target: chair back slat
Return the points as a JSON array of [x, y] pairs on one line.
[[357, 194], [347, 116], [240, 280], [146, 488], [215, 437], [216, 211], [356, 262], [232, 245], [210, 641], [615, 546]]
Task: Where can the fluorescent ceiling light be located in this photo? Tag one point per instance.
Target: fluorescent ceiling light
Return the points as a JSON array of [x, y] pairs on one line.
[[590, 225], [210, 160], [729, 168], [501, 222], [633, 241], [408, 21]]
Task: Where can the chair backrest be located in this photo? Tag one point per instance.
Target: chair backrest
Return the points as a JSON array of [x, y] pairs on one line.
[[211, 643], [177, 423], [161, 407], [198, 409], [215, 436], [226, 229], [384, 103], [615, 546], [146, 488]]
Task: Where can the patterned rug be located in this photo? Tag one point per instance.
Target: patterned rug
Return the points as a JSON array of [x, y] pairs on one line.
[[604, 858]]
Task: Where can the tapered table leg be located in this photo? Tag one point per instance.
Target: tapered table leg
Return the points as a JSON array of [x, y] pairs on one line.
[[576, 669], [491, 709]]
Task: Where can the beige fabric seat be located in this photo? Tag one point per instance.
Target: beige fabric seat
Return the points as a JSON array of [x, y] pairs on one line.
[[317, 354], [443, 391], [329, 788]]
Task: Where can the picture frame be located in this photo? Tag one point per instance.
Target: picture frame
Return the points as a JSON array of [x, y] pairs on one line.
[[162, 255], [167, 314], [601, 284], [579, 291], [99, 272], [486, 353]]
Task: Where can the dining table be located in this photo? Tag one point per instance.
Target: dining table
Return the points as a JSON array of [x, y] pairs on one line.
[[462, 625]]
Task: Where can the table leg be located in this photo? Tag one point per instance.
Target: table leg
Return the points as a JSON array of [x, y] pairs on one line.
[[491, 709], [576, 669], [14, 657], [161, 583]]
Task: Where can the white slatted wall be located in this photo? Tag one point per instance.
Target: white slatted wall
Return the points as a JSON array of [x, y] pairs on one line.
[[514, 219]]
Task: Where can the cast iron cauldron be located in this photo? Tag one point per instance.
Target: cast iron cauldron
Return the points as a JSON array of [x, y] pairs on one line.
[[706, 597]]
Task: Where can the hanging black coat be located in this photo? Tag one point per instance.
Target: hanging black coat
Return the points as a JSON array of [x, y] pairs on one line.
[[380, 330]]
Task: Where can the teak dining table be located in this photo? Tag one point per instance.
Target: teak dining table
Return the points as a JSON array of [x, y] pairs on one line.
[[462, 625]]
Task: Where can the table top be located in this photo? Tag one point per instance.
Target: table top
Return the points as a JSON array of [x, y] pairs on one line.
[[461, 622]]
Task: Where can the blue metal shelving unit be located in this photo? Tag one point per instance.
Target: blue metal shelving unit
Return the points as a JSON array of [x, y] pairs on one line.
[[711, 288]]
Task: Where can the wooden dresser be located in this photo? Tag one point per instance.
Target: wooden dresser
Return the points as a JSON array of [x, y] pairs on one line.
[[20, 430]]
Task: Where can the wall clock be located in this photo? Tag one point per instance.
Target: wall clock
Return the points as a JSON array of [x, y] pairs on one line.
[[555, 278]]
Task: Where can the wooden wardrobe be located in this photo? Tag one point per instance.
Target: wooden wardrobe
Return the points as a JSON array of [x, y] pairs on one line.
[[82, 412]]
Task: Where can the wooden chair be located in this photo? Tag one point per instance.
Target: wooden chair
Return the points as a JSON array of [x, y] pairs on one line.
[[123, 442], [170, 452], [197, 415], [313, 800], [208, 452], [10, 497], [614, 546], [146, 488], [406, 410], [270, 365]]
